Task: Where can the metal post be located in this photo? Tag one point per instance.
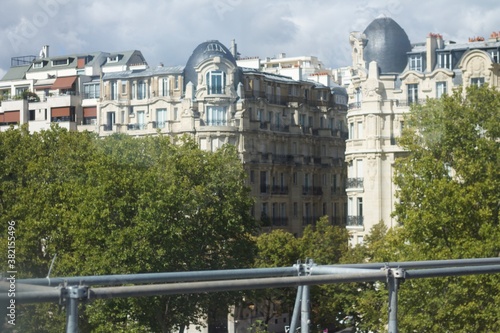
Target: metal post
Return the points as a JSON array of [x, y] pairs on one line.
[[306, 291], [73, 295], [304, 317], [296, 307], [393, 279]]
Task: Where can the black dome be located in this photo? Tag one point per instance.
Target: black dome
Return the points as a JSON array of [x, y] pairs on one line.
[[204, 51], [387, 44]]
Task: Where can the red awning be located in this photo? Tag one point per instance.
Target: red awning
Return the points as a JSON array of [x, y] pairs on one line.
[[60, 112], [64, 82], [11, 117], [90, 111]]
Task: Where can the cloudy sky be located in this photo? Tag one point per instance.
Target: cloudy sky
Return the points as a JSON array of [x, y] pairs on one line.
[[167, 31]]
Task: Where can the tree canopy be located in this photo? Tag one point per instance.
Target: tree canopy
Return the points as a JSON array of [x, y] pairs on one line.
[[448, 208], [122, 205]]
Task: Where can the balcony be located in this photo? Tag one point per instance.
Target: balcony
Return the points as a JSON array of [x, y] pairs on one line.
[[14, 105], [283, 159], [354, 221], [312, 190], [354, 183], [409, 102], [107, 127], [279, 221], [136, 127], [214, 122], [306, 129], [279, 189], [280, 128], [159, 124], [355, 105], [320, 102]]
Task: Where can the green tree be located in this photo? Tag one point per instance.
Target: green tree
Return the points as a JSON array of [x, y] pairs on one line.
[[124, 205], [449, 205], [326, 244], [278, 248], [322, 242], [366, 303]]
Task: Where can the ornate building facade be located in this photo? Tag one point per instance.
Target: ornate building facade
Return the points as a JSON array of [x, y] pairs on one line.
[[388, 75], [290, 132]]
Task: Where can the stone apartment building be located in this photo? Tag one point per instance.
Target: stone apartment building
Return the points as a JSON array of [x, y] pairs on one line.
[[388, 75], [307, 152], [290, 132]]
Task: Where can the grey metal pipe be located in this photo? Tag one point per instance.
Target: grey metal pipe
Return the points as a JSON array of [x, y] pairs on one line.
[[206, 286], [393, 283], [246, 284], [304, 314], [243, 273], [320, 270], [111, 280], [451, 271], [72, 310], [296, 307], [426, 263]]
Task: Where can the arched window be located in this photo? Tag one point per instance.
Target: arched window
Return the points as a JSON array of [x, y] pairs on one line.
[[216, 81]]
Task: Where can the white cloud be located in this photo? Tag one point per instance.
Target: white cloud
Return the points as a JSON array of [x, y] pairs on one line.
[[168, 31]]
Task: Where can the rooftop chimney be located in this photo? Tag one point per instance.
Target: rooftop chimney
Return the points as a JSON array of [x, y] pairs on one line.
[[234, 50], [44, 52]]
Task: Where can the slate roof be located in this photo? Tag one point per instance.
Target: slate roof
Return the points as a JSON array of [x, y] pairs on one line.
[[387, 44], [204, 51], [16, 73], [125, 57], [144, 72]]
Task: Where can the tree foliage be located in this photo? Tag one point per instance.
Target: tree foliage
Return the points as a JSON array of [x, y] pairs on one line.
[[449, 183], [123, 205], [322, 242], [449, 209]]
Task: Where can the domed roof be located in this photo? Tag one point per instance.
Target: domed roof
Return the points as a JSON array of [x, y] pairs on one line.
[[204, 51], [387, 44]]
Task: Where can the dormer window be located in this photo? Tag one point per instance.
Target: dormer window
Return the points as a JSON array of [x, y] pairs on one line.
[[113, 58], [216, 81], [214, 47], [39, 64], [60, 62], [444, 60], [415, 62], [494, 55]]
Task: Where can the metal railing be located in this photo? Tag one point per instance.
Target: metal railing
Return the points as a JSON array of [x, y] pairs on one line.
[[354, 183], [279, 189], [71, 291], [135, 127], [279, 221], [312, 190], [354, 221]]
